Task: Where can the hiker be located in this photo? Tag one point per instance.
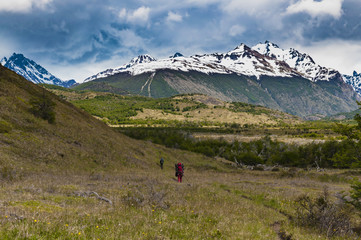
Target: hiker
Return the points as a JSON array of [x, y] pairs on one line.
[[179, 171], [161, 163]]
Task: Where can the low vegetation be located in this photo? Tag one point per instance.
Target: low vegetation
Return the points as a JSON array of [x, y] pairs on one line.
[[215, 202], [195, 109], [329, 154]]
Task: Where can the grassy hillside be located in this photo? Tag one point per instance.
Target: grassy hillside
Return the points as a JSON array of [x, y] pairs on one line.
[[193, 110], [296, 96], [75, 142]]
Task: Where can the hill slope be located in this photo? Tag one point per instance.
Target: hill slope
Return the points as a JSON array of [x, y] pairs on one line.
[[195, 110], [75, 142]]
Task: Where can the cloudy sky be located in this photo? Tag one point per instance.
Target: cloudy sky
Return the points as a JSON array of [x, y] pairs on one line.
[[78, 38]]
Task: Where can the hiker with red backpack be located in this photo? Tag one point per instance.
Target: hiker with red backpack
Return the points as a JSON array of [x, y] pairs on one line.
[[179, 171]]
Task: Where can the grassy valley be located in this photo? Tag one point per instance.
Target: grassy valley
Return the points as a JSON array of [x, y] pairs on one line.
[[65, 174]]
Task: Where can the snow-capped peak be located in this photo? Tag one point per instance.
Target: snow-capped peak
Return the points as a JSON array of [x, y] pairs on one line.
[[239, 49], [301, 62], [32, 71], [142, 59], [263, 59], [269, 49], [177, 54]]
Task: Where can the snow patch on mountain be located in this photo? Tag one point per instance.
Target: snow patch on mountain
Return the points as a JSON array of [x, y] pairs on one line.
[[242, 60], [264, 59], [354, 81], [33, 71], [301, 62]]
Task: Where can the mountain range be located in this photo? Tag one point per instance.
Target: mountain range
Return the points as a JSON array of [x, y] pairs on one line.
[[264, 74], [32, 71], [237, 75]]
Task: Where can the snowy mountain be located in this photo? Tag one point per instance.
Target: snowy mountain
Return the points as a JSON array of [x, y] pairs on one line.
[[354, 81], [301, 62], [32, 71], [265, 59], [265, 74]]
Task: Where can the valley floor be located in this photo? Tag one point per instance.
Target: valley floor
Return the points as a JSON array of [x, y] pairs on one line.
[[149, 203]]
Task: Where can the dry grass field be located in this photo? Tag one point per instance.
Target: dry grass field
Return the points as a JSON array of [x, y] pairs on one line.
[[215, 201]]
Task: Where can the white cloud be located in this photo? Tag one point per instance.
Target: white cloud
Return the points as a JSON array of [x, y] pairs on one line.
[[23, 6], [258, 7], [317, 8], [174, 17], [201, 3], [342, 55], [140, 15], [236, 30], [122, 13]]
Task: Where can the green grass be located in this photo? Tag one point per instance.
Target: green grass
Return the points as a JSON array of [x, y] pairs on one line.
[[150, 204]]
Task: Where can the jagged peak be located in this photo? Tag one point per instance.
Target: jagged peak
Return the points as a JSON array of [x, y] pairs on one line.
[[240, 48], [177, 54], [32, 71], [269, 43], [355, 74], [144, 58], [17, 55], [268, 48], [300, 55]]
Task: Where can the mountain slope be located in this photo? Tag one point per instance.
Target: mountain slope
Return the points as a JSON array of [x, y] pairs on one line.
[[75, 142], [33, 71], [294, 95]]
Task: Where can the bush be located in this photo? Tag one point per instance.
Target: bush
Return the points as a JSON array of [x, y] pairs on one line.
[[43, 107], [321, 213]]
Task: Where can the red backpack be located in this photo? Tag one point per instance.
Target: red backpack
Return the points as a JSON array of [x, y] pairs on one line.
[[179, 168]]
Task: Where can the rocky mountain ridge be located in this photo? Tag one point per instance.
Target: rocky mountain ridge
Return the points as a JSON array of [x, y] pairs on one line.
[[263, 59], [32, 71]]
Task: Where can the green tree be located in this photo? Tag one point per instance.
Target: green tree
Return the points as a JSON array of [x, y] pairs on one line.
[[43, 107]]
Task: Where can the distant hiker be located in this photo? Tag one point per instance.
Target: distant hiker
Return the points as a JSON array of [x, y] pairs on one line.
[[161, 163], [179, 171]]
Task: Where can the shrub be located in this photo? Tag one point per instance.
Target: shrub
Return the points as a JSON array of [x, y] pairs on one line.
[[43, 107], [323, 214]]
